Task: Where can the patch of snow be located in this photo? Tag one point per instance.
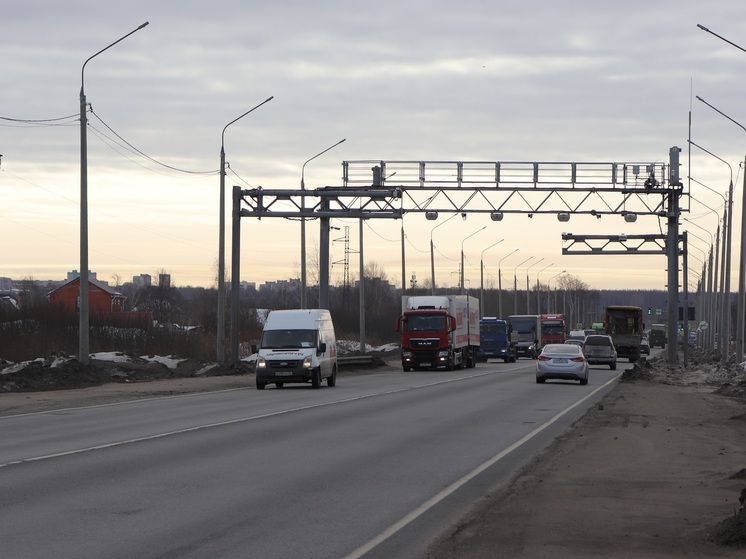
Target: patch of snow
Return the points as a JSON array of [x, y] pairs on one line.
[[171, 362], [352, 346], [115, 356], [60, 361], [206, 369]]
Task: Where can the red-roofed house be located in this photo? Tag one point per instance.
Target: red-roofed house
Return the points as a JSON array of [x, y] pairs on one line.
[[105, 304], [102, 299]]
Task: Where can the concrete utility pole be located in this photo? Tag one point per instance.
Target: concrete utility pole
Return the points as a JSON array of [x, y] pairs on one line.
[[221, 241], [84, 310], [672, 252]]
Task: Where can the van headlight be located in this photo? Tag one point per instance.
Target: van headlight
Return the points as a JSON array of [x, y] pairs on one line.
[[261, 363], [307, 362]]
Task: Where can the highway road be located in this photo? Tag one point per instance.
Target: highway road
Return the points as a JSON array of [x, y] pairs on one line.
[[376, 466]]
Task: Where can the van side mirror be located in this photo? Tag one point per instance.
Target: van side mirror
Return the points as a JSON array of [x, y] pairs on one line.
[[322, 348]]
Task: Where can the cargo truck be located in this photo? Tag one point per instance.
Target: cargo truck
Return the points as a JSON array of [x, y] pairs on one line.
[[439, 331], [625, 326], [527, 334], [553, 329], [494, 340], [657, 335]]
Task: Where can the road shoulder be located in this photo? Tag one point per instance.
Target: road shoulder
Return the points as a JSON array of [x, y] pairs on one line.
[[649, 472]]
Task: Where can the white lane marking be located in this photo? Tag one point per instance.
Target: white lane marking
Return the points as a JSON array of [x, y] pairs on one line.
[[228, 422], [430, 503]]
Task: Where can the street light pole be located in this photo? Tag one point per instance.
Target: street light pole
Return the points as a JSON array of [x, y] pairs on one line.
[[549, 290], [538, 289], [221, 241], [481, 276], [462, 256], [727, 225], [742, 261], [500, 284], [707, 294], [432, 254], [715, 292], [528, 289], [515, 285], [303, 274], [84, 311]]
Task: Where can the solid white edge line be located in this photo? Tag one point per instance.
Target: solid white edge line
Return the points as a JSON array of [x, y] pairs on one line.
[[427, 505]]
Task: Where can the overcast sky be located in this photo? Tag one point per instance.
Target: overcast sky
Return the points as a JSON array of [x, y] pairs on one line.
[[411, 80]]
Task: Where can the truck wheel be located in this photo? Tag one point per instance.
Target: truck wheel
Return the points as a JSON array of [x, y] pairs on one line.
[[507, 360], [612, 366], [316, 379], [406, 369], [260, 384]]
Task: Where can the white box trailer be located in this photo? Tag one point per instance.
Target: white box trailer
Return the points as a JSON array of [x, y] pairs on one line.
[[439, 331]]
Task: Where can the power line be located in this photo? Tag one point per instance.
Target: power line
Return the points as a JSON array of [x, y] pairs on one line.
[[149, 158]]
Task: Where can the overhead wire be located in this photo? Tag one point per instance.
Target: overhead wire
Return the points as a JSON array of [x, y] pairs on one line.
[[146, 156], [69, 120]]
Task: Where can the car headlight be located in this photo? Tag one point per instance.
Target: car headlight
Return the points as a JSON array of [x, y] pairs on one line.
[[261, 363], [307, 362]]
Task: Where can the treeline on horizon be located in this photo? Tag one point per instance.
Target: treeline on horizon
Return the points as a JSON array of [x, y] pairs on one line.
[[185, 318]]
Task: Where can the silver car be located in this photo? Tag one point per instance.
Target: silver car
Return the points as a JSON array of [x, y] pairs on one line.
[[563, 362], [599, 350]]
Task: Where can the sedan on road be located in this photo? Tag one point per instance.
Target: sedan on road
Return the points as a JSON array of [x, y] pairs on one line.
[[562, 362], [600, 350]]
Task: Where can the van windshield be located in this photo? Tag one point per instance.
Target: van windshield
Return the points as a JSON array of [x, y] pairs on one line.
[[288, 339]]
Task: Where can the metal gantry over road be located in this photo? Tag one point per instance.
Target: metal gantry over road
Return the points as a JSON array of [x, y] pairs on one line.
[[375, 189]]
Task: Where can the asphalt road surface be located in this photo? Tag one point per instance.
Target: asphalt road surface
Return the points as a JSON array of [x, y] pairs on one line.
[[375, 467]]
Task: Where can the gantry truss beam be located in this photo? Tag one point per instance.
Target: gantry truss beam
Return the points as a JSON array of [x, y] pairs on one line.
[[329, 202], [390, 189], [617, 244]]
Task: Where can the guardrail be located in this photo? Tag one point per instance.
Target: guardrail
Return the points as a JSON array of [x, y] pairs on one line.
[[349, 360]]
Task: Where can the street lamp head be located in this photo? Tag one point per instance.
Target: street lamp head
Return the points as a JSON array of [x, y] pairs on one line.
[[563, 216], [630, 217], [496, 216], [431, 216]]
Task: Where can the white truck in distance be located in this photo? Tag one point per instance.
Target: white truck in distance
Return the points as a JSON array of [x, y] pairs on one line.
[[439, 331]]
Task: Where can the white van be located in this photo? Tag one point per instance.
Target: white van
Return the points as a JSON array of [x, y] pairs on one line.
[[297, 346]]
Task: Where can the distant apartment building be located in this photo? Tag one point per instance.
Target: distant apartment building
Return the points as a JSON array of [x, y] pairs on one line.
[[279, 286], [164, 280], [143, 280], [75, 274], [6, 284]]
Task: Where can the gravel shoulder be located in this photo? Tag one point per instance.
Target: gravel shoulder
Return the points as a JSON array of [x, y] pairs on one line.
[[654, 471]]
